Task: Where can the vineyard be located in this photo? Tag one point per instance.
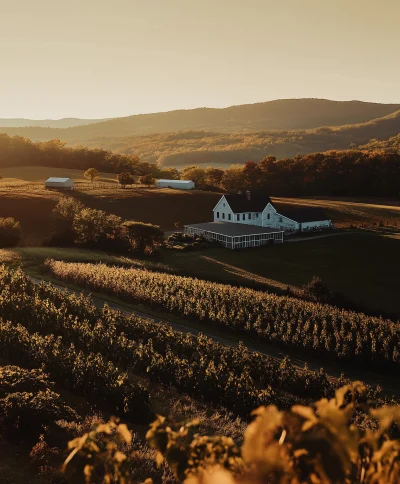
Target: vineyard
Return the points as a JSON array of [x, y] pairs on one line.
[[289, 322], [55, 341], [87, 347]]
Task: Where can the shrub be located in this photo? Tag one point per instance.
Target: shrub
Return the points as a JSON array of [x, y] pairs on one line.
[[125, 178], [147, 180], [25, 415], [10, 232], [140, 237]]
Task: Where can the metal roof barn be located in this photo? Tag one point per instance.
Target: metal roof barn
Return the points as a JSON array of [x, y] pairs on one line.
[[60, 183], [180, 184]]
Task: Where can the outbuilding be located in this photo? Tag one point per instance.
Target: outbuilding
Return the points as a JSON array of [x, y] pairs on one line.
[[59, 183], [236, 236], [179, 184]]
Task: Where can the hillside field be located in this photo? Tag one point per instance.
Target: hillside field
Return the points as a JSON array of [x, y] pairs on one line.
[[38, 174], [165, 207]]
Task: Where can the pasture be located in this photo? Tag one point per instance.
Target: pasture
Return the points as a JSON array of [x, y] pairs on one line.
[[364, 267], [38, 174]]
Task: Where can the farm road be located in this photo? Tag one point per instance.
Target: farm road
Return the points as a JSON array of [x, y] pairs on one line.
[[389, 384]]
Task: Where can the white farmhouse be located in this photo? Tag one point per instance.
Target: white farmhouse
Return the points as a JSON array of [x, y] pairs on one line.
[[179, 184], [260, 211], [59, 183]]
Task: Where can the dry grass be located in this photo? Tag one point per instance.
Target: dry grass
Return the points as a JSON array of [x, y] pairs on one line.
[[37, 174], [347, 211]]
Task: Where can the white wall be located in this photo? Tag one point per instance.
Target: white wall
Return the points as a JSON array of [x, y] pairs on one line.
[[271, 218], [224, 210]]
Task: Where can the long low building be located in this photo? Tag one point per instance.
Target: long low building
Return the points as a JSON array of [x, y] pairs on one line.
[[236, 236]]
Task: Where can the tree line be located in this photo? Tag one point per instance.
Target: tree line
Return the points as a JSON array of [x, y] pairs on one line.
[[336, 173], [19, 151]]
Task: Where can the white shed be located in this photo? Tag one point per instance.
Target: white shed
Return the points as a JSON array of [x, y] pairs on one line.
[[180, 184], [59, 183]]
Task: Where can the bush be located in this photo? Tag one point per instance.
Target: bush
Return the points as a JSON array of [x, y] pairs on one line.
[[10, 232], [140, 237]]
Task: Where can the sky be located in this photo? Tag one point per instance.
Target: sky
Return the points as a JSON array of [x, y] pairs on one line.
[[110, 58]]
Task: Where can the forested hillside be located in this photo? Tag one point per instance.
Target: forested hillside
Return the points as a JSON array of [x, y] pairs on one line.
[[212, 148], [391, 145], [283, 114]]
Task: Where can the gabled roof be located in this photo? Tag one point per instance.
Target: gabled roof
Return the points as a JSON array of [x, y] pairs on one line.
[[54, 179], [302, 214], [240, 203]]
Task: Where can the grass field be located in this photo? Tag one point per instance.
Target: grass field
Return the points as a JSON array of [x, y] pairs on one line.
[[363, 267], [166, 207], [37, 174]]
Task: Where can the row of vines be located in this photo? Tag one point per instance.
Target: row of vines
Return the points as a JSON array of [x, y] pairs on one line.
[[282, 320], [102, 353]]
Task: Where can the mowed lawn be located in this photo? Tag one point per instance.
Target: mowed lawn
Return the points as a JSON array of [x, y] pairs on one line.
[[363, 267]]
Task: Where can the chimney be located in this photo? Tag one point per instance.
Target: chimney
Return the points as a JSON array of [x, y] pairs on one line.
[[248, 194]]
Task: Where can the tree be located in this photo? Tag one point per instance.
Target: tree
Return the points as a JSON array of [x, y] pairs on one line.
[[140, 237], [147, 180], [91, 174], [66, 209], [213, 176], [125, 178], [233, 180], [97, 228], [194, 173], [10, 232]]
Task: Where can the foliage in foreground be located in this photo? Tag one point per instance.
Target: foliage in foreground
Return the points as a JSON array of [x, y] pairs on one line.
[[290, 322], [342, 440]]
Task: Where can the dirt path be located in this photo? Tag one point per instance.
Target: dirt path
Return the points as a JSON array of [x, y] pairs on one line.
[[389, 384]]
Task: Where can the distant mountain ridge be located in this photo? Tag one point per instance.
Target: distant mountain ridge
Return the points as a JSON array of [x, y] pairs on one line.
[[46, 123], [284, 114]]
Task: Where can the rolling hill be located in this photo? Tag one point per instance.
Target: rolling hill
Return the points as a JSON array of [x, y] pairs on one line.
[[284, 114], [222, 149], [46, 123]]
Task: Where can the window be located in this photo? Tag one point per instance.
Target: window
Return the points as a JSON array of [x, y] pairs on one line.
[[256, 215], [223, 215], [237, 217], [229, 216], [268, 216], [244, 216], [217, 214], [249, 216], [224, 204], [280, 219]]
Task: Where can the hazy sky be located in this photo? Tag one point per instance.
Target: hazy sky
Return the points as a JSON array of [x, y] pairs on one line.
[[106, 58]]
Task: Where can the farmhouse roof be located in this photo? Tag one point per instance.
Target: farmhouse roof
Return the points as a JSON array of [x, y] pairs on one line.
[[54, 179], [232, 230], [303, 214], [240, 203]]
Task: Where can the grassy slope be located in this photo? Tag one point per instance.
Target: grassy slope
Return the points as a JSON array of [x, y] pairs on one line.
[[38, 174], [361, 266], [164, 207]]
